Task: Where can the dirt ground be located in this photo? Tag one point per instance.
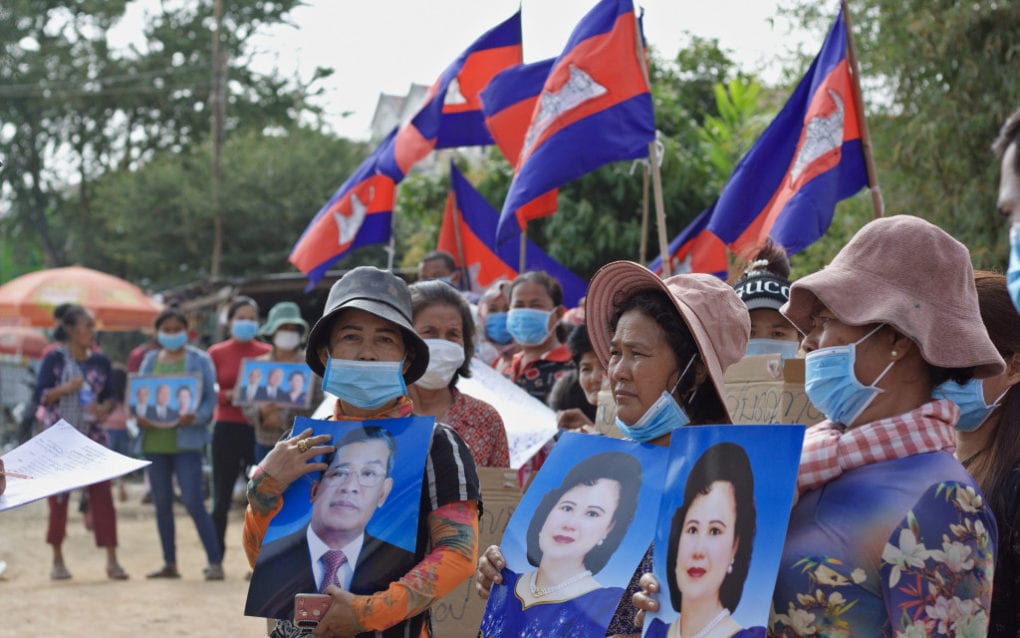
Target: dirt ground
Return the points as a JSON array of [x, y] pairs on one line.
[[91, 605]]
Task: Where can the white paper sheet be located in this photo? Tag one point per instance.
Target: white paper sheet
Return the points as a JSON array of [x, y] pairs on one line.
[[57, 460]]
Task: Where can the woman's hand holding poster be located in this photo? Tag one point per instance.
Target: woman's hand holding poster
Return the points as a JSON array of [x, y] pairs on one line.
[[355, 525], [575, 539], [720, 530]]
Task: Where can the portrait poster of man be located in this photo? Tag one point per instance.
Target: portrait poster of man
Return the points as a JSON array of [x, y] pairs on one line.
[[163, 399], [286, 384], [354, 525], [721, 527], [576, 538]]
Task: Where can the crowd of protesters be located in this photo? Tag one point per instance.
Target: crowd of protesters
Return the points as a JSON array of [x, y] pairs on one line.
[[913, 358]]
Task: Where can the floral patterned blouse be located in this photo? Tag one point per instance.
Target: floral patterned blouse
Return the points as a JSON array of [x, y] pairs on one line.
[[899, 548], [481, 427]]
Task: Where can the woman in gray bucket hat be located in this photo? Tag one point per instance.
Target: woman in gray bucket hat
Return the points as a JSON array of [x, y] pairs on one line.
[[890, 535], [365, 334]]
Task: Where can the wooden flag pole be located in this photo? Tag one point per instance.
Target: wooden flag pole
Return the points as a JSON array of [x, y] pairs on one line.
[[862, 122], [643, 251], [653, 158]]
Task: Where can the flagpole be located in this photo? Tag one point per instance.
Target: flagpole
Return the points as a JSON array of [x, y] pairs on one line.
[[643, 251], [524, 247], [877, 202], [653, 158]]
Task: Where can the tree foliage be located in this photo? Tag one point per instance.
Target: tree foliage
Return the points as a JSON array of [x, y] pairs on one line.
[[941, 79]]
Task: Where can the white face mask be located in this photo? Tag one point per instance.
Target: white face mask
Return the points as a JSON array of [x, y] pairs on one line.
[[287, 339], [445, 358]]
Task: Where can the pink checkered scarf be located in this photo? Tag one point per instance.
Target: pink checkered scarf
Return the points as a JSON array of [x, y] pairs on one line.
[[829, 450]]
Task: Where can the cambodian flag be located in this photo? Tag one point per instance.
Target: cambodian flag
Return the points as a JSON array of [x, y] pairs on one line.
[[359, 213], [595, 108], [696, 249], [508, 103], [483, 261], [452, 112], [808, 159]]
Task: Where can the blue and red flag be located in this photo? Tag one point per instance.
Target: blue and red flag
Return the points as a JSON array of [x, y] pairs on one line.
[[696, 249], [359, 213], [595, 108], [452, 112], [484, 262], [508, 103], [809, 158]]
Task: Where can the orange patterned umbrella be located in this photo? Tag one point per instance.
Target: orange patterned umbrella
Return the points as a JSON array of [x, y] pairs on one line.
[[30, 299]]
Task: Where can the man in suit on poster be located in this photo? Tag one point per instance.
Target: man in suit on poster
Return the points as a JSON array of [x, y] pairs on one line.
[[334, 547]]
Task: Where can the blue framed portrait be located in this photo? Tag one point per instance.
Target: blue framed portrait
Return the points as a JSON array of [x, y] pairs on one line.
[[163, 398], [287, 384]]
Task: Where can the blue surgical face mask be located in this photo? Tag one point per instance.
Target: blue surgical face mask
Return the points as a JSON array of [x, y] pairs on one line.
[[784, 348], [970, 397], [364, 384], [172, 340], [495, 328], [662, 417], [243, 329], [1013, 272], [528, 326], [832, 385]]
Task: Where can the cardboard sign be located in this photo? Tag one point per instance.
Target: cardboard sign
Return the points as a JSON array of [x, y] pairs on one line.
[[459, 613], [768, 389]]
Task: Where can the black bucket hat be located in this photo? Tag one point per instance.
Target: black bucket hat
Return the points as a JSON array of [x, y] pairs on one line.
[[380, 293]]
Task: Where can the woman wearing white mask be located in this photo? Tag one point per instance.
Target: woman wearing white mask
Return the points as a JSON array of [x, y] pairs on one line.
[[536, 305], [233, 438], [764, 288], [890, 535], [443, 319], [666, 346], [285, 329], [988, 444]]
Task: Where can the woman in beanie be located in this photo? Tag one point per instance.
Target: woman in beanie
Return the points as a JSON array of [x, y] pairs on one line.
[[890, 535], [666, 345], [988, 444], [764, 288]]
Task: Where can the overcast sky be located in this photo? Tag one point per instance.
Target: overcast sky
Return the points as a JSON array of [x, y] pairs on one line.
[[385, 45]]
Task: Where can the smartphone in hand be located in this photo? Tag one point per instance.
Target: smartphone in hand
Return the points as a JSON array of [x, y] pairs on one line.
[[309, 609]]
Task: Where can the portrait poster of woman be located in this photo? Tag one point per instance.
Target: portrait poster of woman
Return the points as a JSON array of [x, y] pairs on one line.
[[576, 538], [720, 530], [364, 505]]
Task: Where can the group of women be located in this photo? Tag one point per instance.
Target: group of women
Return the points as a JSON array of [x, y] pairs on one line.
[[890, 533]]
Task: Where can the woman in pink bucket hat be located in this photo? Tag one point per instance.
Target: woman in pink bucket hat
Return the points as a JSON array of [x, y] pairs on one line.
[[666, 345], [890, 535]]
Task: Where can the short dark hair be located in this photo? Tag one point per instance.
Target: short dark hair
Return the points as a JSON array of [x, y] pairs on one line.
[[239, 302], [579, 343], [362, 435], [171, 312], [613, 466], [1009, 135], [437, 293], [725, 462], [297, 373], [68, 315], [441, 255], [703, 406], [547, 281]]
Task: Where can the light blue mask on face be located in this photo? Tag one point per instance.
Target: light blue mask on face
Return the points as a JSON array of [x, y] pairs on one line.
[[243, 329], [528, 326], [832, 385], [364, 384], [782, 347], [172, 341], [970, 397], [662, 417], [1013, 272], [495, 328]]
